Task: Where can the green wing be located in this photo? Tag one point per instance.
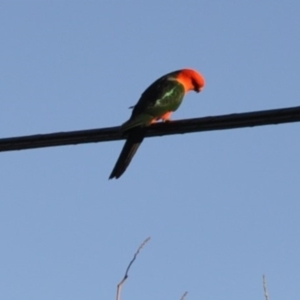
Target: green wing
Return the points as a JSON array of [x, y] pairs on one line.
[[164, 95]]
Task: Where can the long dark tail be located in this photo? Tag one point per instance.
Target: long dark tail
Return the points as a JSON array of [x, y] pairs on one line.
[[134, 139]]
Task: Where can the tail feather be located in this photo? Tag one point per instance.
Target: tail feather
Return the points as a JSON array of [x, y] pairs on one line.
[[134, 139], [141, 120]]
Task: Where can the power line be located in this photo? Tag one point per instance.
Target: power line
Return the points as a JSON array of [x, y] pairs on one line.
[[248, 119]]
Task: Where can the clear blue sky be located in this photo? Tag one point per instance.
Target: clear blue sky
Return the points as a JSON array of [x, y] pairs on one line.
[[222, 208]]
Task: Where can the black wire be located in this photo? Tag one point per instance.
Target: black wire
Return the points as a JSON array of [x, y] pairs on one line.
[[248, 119]]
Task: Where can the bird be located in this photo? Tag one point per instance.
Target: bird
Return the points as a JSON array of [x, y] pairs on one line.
[[156, 103]]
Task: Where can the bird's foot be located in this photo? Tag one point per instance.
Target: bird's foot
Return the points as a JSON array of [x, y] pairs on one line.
[[166, 117]]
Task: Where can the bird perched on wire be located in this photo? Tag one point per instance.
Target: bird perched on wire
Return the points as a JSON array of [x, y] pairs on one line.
[[156, 103]]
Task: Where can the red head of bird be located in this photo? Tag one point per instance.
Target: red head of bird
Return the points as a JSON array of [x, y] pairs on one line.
[[191, 80]]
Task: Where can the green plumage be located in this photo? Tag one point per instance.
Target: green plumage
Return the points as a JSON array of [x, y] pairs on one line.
[[163, 96]]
